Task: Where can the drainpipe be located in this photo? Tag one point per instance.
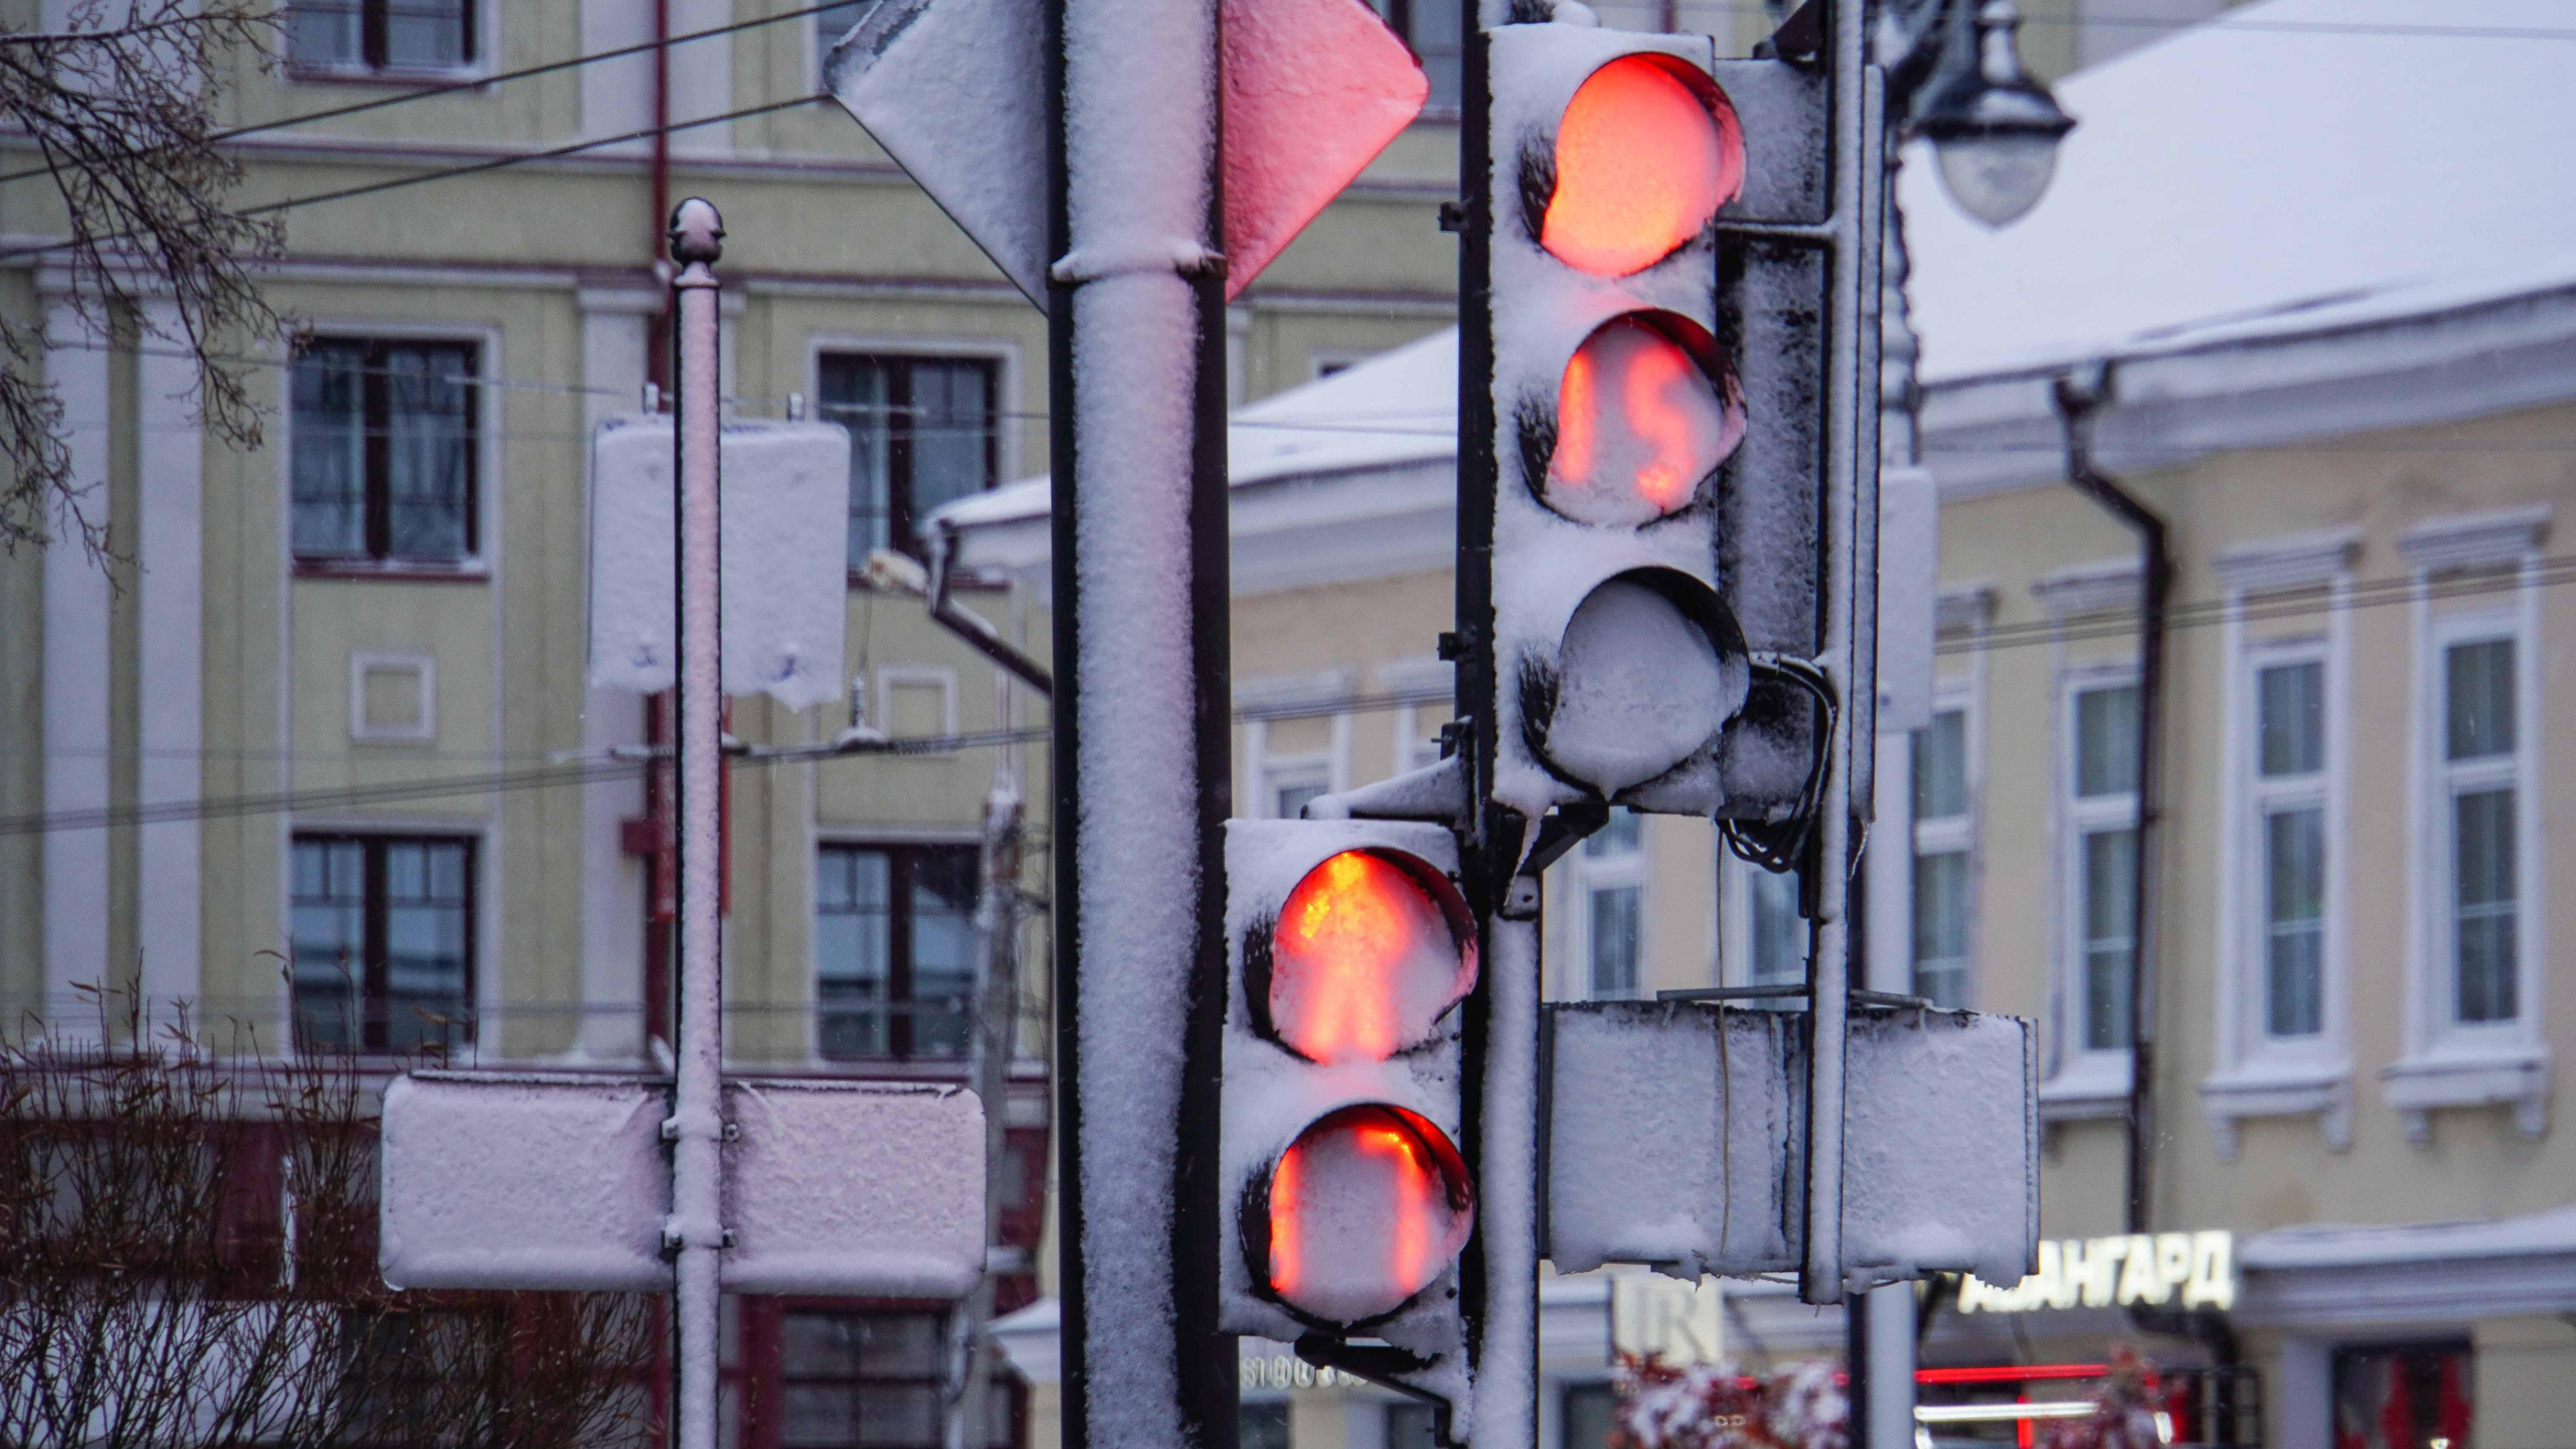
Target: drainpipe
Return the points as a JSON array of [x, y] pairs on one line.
[[2078, 395]]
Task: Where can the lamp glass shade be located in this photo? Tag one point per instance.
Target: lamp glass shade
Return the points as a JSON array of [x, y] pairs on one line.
[[1997, 176]]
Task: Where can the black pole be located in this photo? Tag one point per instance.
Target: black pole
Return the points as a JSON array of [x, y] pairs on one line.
[[2077, 400], [1064, 713]]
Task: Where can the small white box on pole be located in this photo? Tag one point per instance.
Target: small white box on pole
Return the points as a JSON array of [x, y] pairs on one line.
[[786, 489], [1909, 595]]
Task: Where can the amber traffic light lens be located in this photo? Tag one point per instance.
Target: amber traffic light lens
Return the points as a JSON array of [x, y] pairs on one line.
[[1368, 953], [1640, 422], [1366, 1207], [1643, 160]]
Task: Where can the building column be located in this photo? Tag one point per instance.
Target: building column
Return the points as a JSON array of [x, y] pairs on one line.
[[170, 454], [77, 666], [613, 885]]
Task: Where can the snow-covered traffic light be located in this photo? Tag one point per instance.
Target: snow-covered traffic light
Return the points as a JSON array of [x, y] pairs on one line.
[[1346, 1199], [1632, 462]]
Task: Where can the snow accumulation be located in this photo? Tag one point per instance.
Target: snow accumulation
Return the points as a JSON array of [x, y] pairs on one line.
[[2250, 175], [2325, 1245]]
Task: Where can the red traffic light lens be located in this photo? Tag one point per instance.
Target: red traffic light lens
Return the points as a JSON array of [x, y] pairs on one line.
[[1639, 421], [1645, 155], [1369, 951], [1366, 1207]]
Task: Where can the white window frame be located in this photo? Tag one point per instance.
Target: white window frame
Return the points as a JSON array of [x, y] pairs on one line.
[[1323, 694], [1412, 680], [2448, 1063], [1952, 834], [2255, 1074], [1586, 873], [2082, 1074], [487, 43], [2244, 871]]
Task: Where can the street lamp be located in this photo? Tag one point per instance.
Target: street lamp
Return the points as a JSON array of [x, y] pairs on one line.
[[1994, 130]]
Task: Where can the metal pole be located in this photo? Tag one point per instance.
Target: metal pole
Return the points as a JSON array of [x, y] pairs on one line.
[[1847, 654], [1137, 332], [694, 1234], [997, 965]]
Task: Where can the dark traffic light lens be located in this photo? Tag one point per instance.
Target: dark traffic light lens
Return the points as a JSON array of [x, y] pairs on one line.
[[1367, 1207], [1640, 422], [1643, 161], [1367, 955], [1641, 685]]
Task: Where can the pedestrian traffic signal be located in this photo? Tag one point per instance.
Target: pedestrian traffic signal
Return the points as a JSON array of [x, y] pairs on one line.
[[1623, 529], [1347, 1201]]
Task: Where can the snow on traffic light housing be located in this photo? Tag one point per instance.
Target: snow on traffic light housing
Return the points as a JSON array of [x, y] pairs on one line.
[[1656, 434], [1346, 1200]]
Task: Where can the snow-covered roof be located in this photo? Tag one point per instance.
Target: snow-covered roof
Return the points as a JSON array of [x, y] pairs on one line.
[[1395, 408], [2289, 159]]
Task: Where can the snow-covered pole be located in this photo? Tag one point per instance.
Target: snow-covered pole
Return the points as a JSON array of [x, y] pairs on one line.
[[694, 1233], [1136, 334], [997, 973]]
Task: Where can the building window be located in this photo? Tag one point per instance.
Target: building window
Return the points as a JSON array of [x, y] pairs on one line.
[[1942, 877], [1292, 786], [1588, 1417], [923, 432], [1411, 1425], [894, 951], [2480, 768], [2409, 1396], [1774, 936], [385, 451], [2104, 817], [1262, 1424], [1430, 29], [2289, 803], [381, 35], [383, 938], [1610, 874], [860, 1380]]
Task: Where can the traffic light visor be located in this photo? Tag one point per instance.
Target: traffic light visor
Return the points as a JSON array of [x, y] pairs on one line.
[[1644, 415], [1365, 1209], [1646, 153], [1370, 949]]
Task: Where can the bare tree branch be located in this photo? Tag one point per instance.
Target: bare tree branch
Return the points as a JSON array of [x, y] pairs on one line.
[[120, 109]]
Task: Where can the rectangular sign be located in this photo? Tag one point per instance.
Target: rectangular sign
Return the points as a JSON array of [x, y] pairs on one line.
[[562, 1181]]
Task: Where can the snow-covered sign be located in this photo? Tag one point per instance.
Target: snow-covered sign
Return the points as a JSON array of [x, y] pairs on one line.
[[786, 489], [1676, 1131], [561, 1181], [952, 89]]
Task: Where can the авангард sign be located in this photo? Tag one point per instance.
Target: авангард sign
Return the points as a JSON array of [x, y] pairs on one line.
[[2194, 1270]]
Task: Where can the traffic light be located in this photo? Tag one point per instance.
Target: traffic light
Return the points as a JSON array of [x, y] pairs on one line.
[[1346, 1201], [1628, 448]]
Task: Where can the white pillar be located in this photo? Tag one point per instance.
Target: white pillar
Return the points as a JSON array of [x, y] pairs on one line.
[[170, 457], [613, 885], [76, 680]]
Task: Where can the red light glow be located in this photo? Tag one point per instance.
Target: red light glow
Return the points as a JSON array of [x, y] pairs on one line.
[[1364, 961], [1366, 1207], [1639, 423], [1642, 163]]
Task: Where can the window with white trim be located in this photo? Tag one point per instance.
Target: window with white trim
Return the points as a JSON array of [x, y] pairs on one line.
[[2102, 834], [1610, 881], [1762, 938], [382, 36], [1944, 834], [2286, 799], [2481, 796]]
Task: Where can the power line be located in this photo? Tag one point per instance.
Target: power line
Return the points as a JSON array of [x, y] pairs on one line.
[[470, 168], [474, 83], [2204, 613]]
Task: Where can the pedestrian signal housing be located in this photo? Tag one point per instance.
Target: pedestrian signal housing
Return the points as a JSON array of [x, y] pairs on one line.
[[1347, 1201]]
